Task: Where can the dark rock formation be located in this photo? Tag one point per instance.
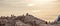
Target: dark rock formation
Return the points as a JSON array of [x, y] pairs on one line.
[[57, 20]]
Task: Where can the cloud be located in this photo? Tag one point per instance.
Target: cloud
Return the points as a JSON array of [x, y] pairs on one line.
[[12, 2]]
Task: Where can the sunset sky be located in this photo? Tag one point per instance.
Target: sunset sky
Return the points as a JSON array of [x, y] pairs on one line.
[[43, 9]]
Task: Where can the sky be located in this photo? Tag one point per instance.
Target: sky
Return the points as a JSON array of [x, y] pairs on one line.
[[44, 9]]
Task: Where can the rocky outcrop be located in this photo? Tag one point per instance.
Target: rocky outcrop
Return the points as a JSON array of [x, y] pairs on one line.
[[24, 20]]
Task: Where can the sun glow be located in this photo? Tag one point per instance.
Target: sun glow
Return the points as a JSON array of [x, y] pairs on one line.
[[31, 4]]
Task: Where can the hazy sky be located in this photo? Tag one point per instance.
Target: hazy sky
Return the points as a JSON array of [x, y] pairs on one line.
[[44, 9]]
